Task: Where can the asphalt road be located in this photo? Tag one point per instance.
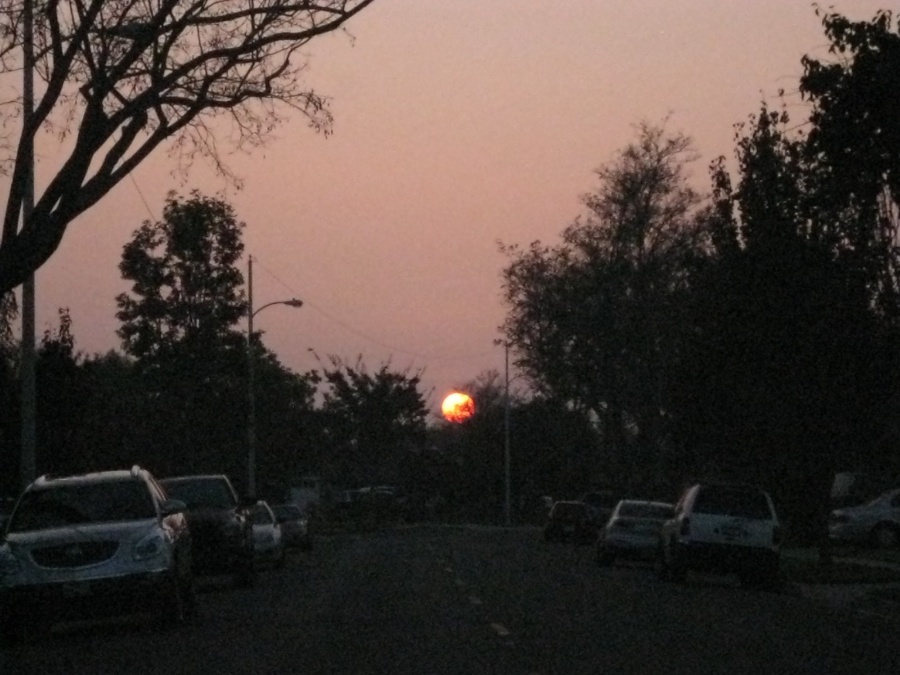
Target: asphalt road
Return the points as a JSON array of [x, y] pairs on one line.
[[471, 600]]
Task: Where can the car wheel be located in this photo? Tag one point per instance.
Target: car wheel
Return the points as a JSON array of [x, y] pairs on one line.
[[25, 628], [885, 536], [660, 565], [173, 606], [605, 557], [245, 574], [189, 593], [668, 567]]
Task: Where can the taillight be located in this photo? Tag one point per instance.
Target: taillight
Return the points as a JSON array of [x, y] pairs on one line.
[[685, 530]]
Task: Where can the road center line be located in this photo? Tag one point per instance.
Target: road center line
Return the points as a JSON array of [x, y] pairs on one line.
[[500, 630]]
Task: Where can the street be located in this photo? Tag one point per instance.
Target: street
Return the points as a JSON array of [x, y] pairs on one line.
[[441, 599]]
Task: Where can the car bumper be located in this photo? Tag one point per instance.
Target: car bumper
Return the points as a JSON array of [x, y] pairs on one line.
[[624, 544], [85, 598], [849, 533], [726, 557], [218, 559]]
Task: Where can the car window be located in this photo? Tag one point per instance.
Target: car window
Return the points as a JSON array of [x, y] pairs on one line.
[[732, 502], [201, 493], [261, 516], [645, 510], [82, 504], [287, 512], [568, 510]]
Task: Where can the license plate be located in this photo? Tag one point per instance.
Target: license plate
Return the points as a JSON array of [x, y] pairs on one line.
[[733, 531]]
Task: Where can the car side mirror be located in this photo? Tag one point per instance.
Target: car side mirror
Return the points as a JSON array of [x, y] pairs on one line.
[[172, 506]]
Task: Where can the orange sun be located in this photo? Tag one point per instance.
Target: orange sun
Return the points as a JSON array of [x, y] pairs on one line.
[[457, 407]]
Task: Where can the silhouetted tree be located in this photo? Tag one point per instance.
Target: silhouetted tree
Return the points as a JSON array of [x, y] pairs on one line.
[[371, 419], [179, 323], [788, 368], [594, 320], [123, 78]]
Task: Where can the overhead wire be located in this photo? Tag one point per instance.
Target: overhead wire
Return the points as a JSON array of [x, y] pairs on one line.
[[366, 336]]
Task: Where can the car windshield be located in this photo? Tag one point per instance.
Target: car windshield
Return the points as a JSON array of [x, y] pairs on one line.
[[261, 516], [644, 510], [287, 512], [568, 510], [733, 502], [83, 504], [205, 492]]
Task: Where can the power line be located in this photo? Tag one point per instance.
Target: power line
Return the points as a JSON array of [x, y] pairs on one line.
[[366, 336]]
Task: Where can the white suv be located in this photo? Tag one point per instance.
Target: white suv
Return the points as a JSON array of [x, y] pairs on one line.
[[86, 545], [722, 528]]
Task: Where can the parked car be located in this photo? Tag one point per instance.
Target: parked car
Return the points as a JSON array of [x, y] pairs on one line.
[[294, 526], [600, 505], [94, 545], [569, 521], [632, 530], [267, 540], [875, 523], [220, 525], [6, 508], [722, 528]]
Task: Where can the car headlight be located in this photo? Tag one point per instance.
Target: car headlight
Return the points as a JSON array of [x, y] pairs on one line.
[[149, 547], [233, 529], [9, 564]]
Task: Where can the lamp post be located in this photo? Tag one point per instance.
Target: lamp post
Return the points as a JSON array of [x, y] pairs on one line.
[[251, 375], [507, 488], [506, 476]]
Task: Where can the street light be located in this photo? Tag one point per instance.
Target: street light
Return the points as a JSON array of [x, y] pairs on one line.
[[251, 374], [506, 477], [507, 511]]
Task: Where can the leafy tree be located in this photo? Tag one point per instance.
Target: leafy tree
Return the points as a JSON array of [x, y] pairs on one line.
[[855, 138], [372, 419], [179, 324], [10, 421], [593, 319], [62, 393], [122, 78], [786, 373], [186, 287]]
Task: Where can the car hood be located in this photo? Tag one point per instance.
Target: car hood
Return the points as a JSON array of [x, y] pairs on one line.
[[210, 516], [121, 531]]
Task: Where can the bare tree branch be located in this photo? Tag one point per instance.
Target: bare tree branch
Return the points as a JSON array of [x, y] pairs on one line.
[[126, 76]]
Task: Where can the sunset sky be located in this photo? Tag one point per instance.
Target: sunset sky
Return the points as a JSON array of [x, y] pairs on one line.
[[458, 124]]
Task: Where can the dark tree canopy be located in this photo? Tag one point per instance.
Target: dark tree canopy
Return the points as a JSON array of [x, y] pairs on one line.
[[372, 418], [592, 319], [186, 287]]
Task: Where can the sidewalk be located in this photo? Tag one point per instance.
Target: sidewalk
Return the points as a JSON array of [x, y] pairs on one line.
[[881, 599]]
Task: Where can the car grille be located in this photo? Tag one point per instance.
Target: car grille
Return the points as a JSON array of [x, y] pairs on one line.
[[76, 554]]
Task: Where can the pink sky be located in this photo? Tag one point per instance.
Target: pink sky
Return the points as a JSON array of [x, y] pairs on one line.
[[457, 124]]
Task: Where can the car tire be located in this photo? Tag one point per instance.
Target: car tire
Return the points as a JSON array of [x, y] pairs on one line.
[[605, 557], [25, 628], [669, 569], [173, 609], [245, 574], [885, 536]]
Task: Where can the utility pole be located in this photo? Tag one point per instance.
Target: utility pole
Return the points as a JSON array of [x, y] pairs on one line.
[[28, 464], [251, 387], [506, 471]]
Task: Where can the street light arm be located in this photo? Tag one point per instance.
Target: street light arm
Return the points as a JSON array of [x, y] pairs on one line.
[[293, 302]]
